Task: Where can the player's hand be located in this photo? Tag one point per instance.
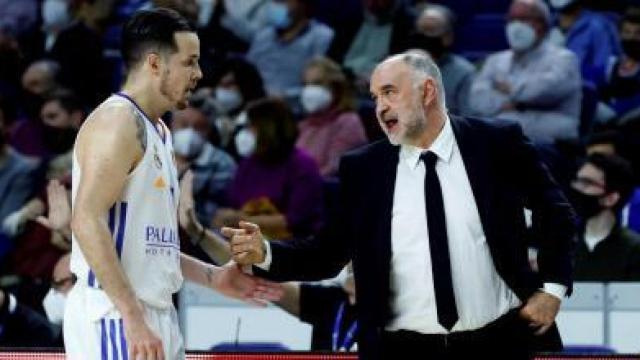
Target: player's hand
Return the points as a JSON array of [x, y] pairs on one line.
[[231, 281], [541, 310], [142, 342], [247, 243]]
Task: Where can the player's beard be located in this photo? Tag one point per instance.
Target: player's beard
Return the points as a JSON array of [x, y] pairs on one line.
[[165, 90]]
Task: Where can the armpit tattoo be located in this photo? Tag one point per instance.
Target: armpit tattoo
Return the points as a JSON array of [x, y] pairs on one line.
[[141, 133], [209, 274]]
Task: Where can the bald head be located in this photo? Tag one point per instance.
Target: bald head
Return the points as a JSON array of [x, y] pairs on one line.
[[40, 77], [532, 9], [435, 20]]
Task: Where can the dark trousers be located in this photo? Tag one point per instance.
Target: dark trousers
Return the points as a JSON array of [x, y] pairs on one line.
[[508, 337]]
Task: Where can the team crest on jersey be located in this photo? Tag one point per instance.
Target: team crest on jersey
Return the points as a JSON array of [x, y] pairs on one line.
[[156, 157]]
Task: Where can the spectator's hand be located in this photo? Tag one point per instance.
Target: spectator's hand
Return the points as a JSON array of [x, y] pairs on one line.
[[186, 208], [541, 310], [247, 243], [142, 342], [502, 86], [227, 217], [59, 216], [231, 281]]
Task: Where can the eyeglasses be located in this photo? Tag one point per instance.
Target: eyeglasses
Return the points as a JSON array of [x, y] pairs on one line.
[[58, 284]]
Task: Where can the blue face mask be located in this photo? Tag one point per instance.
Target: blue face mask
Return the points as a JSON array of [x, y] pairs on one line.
[[278, 15]]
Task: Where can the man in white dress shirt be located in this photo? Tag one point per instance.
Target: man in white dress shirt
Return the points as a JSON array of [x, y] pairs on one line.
[[433, 220]]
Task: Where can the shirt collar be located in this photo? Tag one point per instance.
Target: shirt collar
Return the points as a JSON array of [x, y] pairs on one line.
[[442, 146]]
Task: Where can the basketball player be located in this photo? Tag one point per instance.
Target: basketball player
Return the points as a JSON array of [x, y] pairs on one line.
[[125, 251]]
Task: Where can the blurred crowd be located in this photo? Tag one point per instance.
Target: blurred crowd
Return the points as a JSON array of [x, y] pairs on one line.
[[285, 93]]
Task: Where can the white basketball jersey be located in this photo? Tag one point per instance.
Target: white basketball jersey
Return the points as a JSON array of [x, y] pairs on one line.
[[143, 223]]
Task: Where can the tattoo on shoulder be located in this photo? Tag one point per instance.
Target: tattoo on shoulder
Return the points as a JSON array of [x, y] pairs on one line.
[[141, 133]]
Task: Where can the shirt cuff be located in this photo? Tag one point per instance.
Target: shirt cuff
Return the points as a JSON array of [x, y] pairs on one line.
[[12, 304], [555, 289], [266, 264]]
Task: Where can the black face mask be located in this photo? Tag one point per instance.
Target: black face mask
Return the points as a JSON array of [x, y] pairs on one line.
[[631, 48], [621, 86], [58, 140], [587, 206], [432, 44]]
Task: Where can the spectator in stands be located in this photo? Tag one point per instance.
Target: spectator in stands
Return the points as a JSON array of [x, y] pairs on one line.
[[331, 126], [435, 34], [534, 82], [17, 180], [38, 247], [591, 36], [281, 51], [382, 29], [213, 168], [606, 251], [62, 114], [22, 326], [277, 185], [239, 83], [619, 78], [74, 46]]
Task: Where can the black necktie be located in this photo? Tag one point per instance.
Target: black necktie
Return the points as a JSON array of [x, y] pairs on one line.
[[440, 263]]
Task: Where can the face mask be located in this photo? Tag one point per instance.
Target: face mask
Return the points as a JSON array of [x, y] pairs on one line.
[[587, 206], [278, 15], [188, 143], [228, 100], [53, 305], [561, 4], [520, 35], [631, 48], [55, 14], [315, 98], [245, 142], [432, 44]]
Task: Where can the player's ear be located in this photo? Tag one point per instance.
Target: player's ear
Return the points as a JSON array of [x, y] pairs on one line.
[[154, 62]]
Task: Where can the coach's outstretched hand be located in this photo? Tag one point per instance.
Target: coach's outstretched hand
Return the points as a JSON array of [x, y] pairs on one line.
[[231, 281], [247, 243]]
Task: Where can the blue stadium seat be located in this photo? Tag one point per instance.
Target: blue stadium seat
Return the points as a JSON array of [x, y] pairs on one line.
[[256, 347], [588, 350]]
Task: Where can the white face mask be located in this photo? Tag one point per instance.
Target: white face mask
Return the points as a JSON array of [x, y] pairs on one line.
[[278, 15], [520, 35], [315, 98], [53, 304], [245, 142], [560, 4], [55, 14], [227, 100], [187, 143]]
